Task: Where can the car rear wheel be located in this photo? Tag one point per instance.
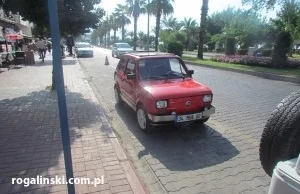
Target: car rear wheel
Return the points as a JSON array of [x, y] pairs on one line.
[[142, 118], [280, 139], [119, 100]]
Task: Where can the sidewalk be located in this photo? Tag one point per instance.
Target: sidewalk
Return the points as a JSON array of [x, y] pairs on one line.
[[30, 138]]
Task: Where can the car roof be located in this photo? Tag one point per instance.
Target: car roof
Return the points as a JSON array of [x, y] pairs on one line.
[[150, 54], [82, 43], [121, 43]]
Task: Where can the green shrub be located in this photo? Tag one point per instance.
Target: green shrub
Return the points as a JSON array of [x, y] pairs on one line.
[[242, 51], [175, 48], [162, 48], [230, 46], [281, 48]]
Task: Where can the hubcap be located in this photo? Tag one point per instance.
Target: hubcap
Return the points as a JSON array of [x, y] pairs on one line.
[[141, 118]]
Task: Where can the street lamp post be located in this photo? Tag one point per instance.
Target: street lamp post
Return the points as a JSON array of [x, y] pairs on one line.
[[60, 89]]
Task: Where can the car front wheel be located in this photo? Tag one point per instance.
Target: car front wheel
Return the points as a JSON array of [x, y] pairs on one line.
[[142, 118], [119, 100]]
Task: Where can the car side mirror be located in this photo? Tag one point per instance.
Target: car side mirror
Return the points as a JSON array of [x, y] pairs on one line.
[[131, 76], [191, 72]]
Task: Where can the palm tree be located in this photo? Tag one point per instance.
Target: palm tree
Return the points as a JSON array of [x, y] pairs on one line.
[[114, 25], [121, 17], [189, 26], [135, 8], [170, 23], [159, 7], [204, 11]]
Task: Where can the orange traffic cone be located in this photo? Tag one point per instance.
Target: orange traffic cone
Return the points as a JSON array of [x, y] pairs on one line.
[[106, 61]]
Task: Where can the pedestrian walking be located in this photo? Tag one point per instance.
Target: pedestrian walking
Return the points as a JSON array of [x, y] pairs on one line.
[[49, 46], [70, 44]]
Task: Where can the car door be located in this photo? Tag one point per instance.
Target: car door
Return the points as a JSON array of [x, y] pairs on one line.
[[120, 75], [130, 84]]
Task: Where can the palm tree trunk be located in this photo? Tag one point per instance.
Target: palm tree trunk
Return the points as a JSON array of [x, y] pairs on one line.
[[105, 40], [135, 32], [158, 16], [115, 35], [204, 10], [148, 28], [108, 42], [123, 32]]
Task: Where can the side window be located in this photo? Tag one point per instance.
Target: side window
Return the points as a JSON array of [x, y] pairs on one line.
[[121, 65], [130, 67]]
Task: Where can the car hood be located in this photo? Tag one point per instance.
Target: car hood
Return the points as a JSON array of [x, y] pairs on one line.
[[163, 89], [85, 49], [125, 49]]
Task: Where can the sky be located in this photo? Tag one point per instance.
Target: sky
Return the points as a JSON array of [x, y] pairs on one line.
[[181, 9]]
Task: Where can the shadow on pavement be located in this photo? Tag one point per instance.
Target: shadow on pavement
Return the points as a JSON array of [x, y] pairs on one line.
[[184, 148], [30, 137], [65, 61]]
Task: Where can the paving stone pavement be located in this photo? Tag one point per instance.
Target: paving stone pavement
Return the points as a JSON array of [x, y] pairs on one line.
[[30, 137], [220, 157]]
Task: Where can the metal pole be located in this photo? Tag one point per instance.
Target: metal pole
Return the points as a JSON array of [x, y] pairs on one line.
[[60, 89]]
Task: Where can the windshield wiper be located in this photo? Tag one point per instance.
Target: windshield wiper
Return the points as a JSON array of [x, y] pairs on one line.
[[170, 73], [154, 77]]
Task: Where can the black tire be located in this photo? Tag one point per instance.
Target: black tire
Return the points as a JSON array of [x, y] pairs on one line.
[[281, 136], [147, 126], [201, 121], [119, 100]]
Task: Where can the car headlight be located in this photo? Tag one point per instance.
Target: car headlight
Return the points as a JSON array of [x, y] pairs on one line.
[[207, 98], [161, 104]]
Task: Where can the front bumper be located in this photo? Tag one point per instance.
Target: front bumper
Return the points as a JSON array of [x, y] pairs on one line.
[[168, 118]]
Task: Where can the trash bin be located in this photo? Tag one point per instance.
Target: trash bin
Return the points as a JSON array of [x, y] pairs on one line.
[[29, 59]]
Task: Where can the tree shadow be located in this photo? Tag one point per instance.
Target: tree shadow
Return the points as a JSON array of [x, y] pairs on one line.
[[47, 62], [30, 137], [180, 148]]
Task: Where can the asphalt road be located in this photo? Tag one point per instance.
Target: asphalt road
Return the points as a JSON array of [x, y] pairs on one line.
[[219, 157]]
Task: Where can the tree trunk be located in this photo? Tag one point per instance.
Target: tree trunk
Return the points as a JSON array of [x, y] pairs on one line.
[[158, 16], [123, 32], [108, 42], [115, 35], [134, 33], [148, 28], [105, 40], [204, 10], [53, 87]]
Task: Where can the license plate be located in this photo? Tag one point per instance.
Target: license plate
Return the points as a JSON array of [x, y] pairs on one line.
[[190, 117]]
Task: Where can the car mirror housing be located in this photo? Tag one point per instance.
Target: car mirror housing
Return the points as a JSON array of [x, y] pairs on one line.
[[131, 76], [191, 72]]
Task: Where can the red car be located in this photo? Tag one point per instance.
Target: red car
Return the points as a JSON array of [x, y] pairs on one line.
[[160, 89]]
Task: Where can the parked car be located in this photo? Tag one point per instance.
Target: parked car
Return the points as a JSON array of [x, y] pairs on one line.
[[84, 49], [119, 49], [160, 89]]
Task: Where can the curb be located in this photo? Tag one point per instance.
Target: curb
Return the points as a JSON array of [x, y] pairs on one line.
[[136, 186], [258, 74]]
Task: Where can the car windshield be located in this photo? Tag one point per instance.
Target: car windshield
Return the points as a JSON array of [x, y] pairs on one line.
[[161, 68], [123, 45], [83, 45]]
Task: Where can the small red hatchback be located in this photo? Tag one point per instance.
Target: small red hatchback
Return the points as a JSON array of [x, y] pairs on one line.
[[160, 89]]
